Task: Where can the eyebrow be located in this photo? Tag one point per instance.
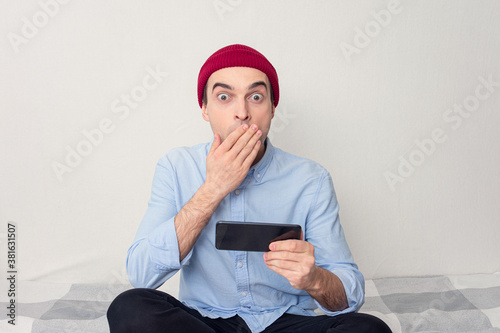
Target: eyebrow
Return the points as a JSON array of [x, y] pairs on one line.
[[226, 86], [223, 85], [256, 84]]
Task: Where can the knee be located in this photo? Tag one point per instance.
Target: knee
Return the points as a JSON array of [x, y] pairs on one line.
[[124, 301], [374, 324], [125, 310]]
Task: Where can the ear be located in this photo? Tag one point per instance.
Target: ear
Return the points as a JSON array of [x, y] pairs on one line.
[[204, 112], [273, 111]]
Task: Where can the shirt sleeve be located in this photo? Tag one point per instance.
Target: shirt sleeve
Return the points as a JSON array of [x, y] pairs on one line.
[[332, 253], [154, 255]]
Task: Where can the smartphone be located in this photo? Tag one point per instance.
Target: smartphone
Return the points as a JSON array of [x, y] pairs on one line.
[[252, 236]]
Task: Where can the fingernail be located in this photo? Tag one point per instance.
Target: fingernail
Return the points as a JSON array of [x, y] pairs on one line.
[[245, 127], [259, 133], [254, 127]]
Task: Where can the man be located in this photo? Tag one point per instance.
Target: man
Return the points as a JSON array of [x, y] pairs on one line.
[[240, 176]]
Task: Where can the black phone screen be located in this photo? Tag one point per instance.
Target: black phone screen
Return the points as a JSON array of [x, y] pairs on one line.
[[252, 236]]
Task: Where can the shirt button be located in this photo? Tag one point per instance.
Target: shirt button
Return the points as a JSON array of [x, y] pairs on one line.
[[240, 264], [258, 175], [244, 294], [237, 192]]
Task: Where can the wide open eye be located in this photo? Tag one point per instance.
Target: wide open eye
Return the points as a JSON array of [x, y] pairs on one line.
[[256, 97], [223, 97]]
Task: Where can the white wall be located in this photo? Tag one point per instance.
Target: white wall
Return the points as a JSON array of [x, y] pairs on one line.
[[356, 104]]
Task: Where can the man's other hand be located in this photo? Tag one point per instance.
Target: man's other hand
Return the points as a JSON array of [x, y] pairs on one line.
[[293, 259]]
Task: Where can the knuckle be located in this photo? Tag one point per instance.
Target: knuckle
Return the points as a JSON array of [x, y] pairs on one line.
[[310, 261]]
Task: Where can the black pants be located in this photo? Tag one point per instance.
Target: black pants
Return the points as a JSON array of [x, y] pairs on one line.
[[151, 311]]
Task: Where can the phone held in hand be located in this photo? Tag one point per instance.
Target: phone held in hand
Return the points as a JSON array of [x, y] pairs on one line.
[[252, 236]]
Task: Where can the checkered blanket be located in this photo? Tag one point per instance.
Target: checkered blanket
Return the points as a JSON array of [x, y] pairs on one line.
[[466, 303]]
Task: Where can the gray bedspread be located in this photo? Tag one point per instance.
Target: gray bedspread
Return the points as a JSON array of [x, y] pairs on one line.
[[466, 303]]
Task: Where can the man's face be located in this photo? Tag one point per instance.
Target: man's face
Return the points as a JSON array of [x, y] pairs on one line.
[[235, 96]]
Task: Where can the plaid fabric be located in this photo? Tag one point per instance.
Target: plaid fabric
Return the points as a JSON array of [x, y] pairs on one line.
[[466, 303], [61, 308]]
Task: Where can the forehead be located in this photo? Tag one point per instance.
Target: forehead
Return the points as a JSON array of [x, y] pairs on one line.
[[237, 76]]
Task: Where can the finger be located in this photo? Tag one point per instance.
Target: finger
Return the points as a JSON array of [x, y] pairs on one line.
[[245, 142], [302, 257], [249, 153], [285, 268], [283, 265], [281, 256], [290, 245], [233, 137], [215, 144], [277, 269]]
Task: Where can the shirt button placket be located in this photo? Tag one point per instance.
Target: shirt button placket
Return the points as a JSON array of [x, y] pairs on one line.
[[240, 258], [242, 281]]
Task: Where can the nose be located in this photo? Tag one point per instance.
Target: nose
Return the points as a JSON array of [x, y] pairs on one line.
[[241, 113]]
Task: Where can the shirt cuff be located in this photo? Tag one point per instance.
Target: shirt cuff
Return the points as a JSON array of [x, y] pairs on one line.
[[354, 290], [164, 247]]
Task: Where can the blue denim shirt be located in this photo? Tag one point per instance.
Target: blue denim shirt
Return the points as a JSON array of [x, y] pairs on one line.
[[281, 188]]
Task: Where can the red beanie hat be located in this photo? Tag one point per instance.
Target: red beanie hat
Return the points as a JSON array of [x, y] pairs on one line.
[[237, 55]]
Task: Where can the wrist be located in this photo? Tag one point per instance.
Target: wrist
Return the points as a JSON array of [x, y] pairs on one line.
[[211, 194], [328, 290], [316, 284]]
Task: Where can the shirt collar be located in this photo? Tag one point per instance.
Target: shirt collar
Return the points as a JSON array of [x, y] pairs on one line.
[[259, 170]]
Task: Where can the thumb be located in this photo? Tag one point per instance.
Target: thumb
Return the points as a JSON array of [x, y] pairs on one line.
[[215, 144]]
